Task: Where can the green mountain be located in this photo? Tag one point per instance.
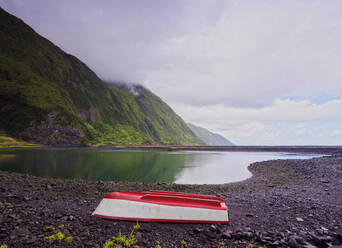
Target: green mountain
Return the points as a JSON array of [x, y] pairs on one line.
[[209, 138], [50, 97]]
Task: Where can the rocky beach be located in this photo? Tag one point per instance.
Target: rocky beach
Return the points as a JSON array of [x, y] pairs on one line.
[[286, 203]]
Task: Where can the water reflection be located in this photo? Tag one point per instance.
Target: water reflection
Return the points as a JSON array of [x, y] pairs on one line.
[[223, 167], [136, 166]]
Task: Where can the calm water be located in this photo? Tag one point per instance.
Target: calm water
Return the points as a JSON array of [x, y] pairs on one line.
[[189, 167]]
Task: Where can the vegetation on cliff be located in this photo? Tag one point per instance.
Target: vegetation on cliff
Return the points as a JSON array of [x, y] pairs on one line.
[[50, 97]]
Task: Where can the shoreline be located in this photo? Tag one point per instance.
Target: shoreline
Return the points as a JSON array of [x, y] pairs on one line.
[[285, 203], [302, 149], [327, 150]]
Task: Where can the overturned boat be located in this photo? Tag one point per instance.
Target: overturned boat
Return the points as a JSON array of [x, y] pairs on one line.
[[163, 206]]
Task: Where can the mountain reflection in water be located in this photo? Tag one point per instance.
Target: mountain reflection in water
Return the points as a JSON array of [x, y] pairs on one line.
[[189, 167]]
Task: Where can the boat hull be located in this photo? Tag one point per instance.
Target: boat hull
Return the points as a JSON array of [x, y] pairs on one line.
[[163, 206], [150, 212]]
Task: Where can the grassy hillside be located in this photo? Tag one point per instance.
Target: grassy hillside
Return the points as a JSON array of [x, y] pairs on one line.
[[50, 97], [209, 138], [8, 142]]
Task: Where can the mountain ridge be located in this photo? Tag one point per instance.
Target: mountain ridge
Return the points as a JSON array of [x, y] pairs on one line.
[[209, 138]]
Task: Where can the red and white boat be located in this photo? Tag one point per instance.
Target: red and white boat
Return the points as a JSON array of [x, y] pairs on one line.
[[163, 206]]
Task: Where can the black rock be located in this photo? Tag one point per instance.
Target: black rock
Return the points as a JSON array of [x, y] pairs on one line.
[[308, 245], [293, 243], [250, 235], [209, 234], [338, 236], [238, 235], [197, 230], [275, 244], [145, 229], [299, 239], [31, 240], [213, 228], [227, 235], [65, 218], [321, 242], [138, 235]]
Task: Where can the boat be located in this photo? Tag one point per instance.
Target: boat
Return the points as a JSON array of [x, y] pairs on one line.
[[162, 206]]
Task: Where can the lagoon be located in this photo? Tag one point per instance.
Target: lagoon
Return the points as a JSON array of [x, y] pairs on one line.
[[149, 166]]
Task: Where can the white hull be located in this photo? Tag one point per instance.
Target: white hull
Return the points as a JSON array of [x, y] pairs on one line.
[[134, 210]]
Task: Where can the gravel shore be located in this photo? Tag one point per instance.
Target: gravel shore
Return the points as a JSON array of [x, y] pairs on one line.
[[287, 203]]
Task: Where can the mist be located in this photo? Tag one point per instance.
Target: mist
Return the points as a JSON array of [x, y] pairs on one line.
[[228, 59]]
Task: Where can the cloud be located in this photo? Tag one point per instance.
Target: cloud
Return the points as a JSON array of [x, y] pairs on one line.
[[337, 133], [258, 72], [235, 53], [285, 122], [258, 52], [281, 110], [121, 39]]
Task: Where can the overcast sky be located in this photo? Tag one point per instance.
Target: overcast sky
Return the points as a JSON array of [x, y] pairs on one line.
[[257, 72]]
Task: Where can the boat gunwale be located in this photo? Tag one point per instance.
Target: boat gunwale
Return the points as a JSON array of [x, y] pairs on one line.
[[211, 197], [178, 200]]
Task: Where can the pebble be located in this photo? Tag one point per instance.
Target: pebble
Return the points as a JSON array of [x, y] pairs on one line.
[[321, 242], [138, 235], [213, 228], [209, 234], [227, 235], [308, 245], [293, 243], [31, 240]]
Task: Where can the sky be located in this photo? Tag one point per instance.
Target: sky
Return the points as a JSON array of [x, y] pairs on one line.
[[257, 72]]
